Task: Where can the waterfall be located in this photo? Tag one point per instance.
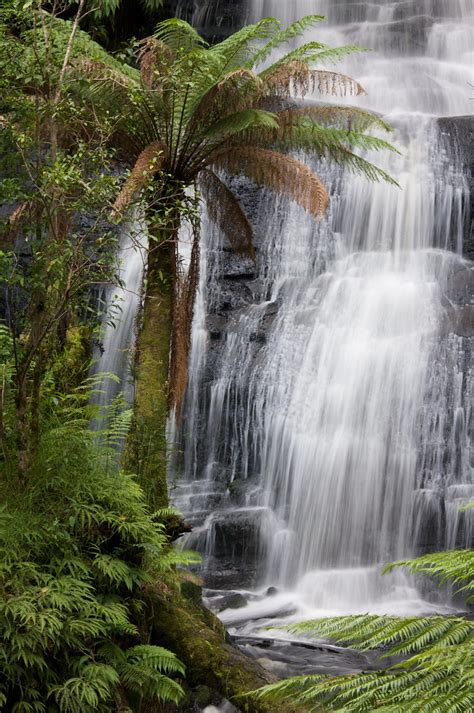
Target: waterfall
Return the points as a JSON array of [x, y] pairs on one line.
[[114, 353], [326, 427]]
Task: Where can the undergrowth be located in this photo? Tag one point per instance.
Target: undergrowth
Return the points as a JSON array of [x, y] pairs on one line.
[[77, 545]]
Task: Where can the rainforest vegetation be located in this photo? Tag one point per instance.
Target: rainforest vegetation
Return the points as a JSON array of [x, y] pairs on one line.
[[97, 609]]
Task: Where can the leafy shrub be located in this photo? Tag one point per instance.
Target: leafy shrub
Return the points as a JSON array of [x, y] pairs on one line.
[[75, 549]]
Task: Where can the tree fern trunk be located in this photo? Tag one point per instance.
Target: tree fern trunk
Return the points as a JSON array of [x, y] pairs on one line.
[[145, 453]]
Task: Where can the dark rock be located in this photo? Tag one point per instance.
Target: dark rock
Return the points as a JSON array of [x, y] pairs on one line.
[[271, 309], [244, 275], [459, 132], [291, 658], [236, 533], [232, 601], [214, 19]]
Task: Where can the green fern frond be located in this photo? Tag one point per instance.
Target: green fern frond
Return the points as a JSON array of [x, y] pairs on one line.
[[304, 53], [372, 632], [179, 35], [155, 656], [242, 47], [332, 55], [296, 29], [240, 121], [435, 673], [455, 566]]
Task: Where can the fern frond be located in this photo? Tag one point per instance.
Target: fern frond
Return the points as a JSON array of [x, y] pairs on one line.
[[279, 172], [225, 211], [299, 54], [296, 77], [242, 46], [372, 632], [456, 566], [149, 162], [229, 93], [178, 35], [240, 121], [296, 29], [155, 656], [436, 672], [345, 118], [332, 55], [155, 59]]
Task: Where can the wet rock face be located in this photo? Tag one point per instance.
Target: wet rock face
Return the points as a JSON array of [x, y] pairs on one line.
[[213, 19], [459, 134], [233, 546], [235, 538]]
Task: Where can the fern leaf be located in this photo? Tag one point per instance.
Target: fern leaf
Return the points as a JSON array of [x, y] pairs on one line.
[[240, 121], [148, 163], [296, 29], [278, 172], [225, 210], [178, 35], [241, 47], [157, 657], [296, 77]]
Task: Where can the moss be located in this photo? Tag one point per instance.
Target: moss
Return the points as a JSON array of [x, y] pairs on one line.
[[201, 642], [71, 364], [145, 452], [171, 619]]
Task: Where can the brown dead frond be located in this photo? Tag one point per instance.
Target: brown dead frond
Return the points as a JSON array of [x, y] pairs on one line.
[[155, 59], [232, 93], [343, 117], [241, 80], [18, 216], [149, 162], [184, 294], [15, 221], [296, 77], [226, 212], [279, 172]]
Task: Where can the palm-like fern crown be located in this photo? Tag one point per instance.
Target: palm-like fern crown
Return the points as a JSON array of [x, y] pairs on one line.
[[195, 109]]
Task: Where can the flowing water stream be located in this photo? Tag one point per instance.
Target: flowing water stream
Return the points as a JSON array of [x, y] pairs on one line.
[[326, 427], [114, 353]]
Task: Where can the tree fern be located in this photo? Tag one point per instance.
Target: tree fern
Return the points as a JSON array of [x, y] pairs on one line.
[[189, 101]]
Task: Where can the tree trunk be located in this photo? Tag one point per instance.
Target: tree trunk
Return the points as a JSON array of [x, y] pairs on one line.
[[145, 452], [196, 636]]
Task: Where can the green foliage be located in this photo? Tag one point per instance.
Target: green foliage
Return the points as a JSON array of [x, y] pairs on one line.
[[456, 567], [75, 551], [193, 100], [435, 669], [197, 109], [108, 8]]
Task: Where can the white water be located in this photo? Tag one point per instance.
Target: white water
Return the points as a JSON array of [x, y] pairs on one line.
[[352, 420], [117, 338]]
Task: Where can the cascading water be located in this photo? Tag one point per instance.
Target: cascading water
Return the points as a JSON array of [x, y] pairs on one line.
[[113, 357], [326, 429]]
